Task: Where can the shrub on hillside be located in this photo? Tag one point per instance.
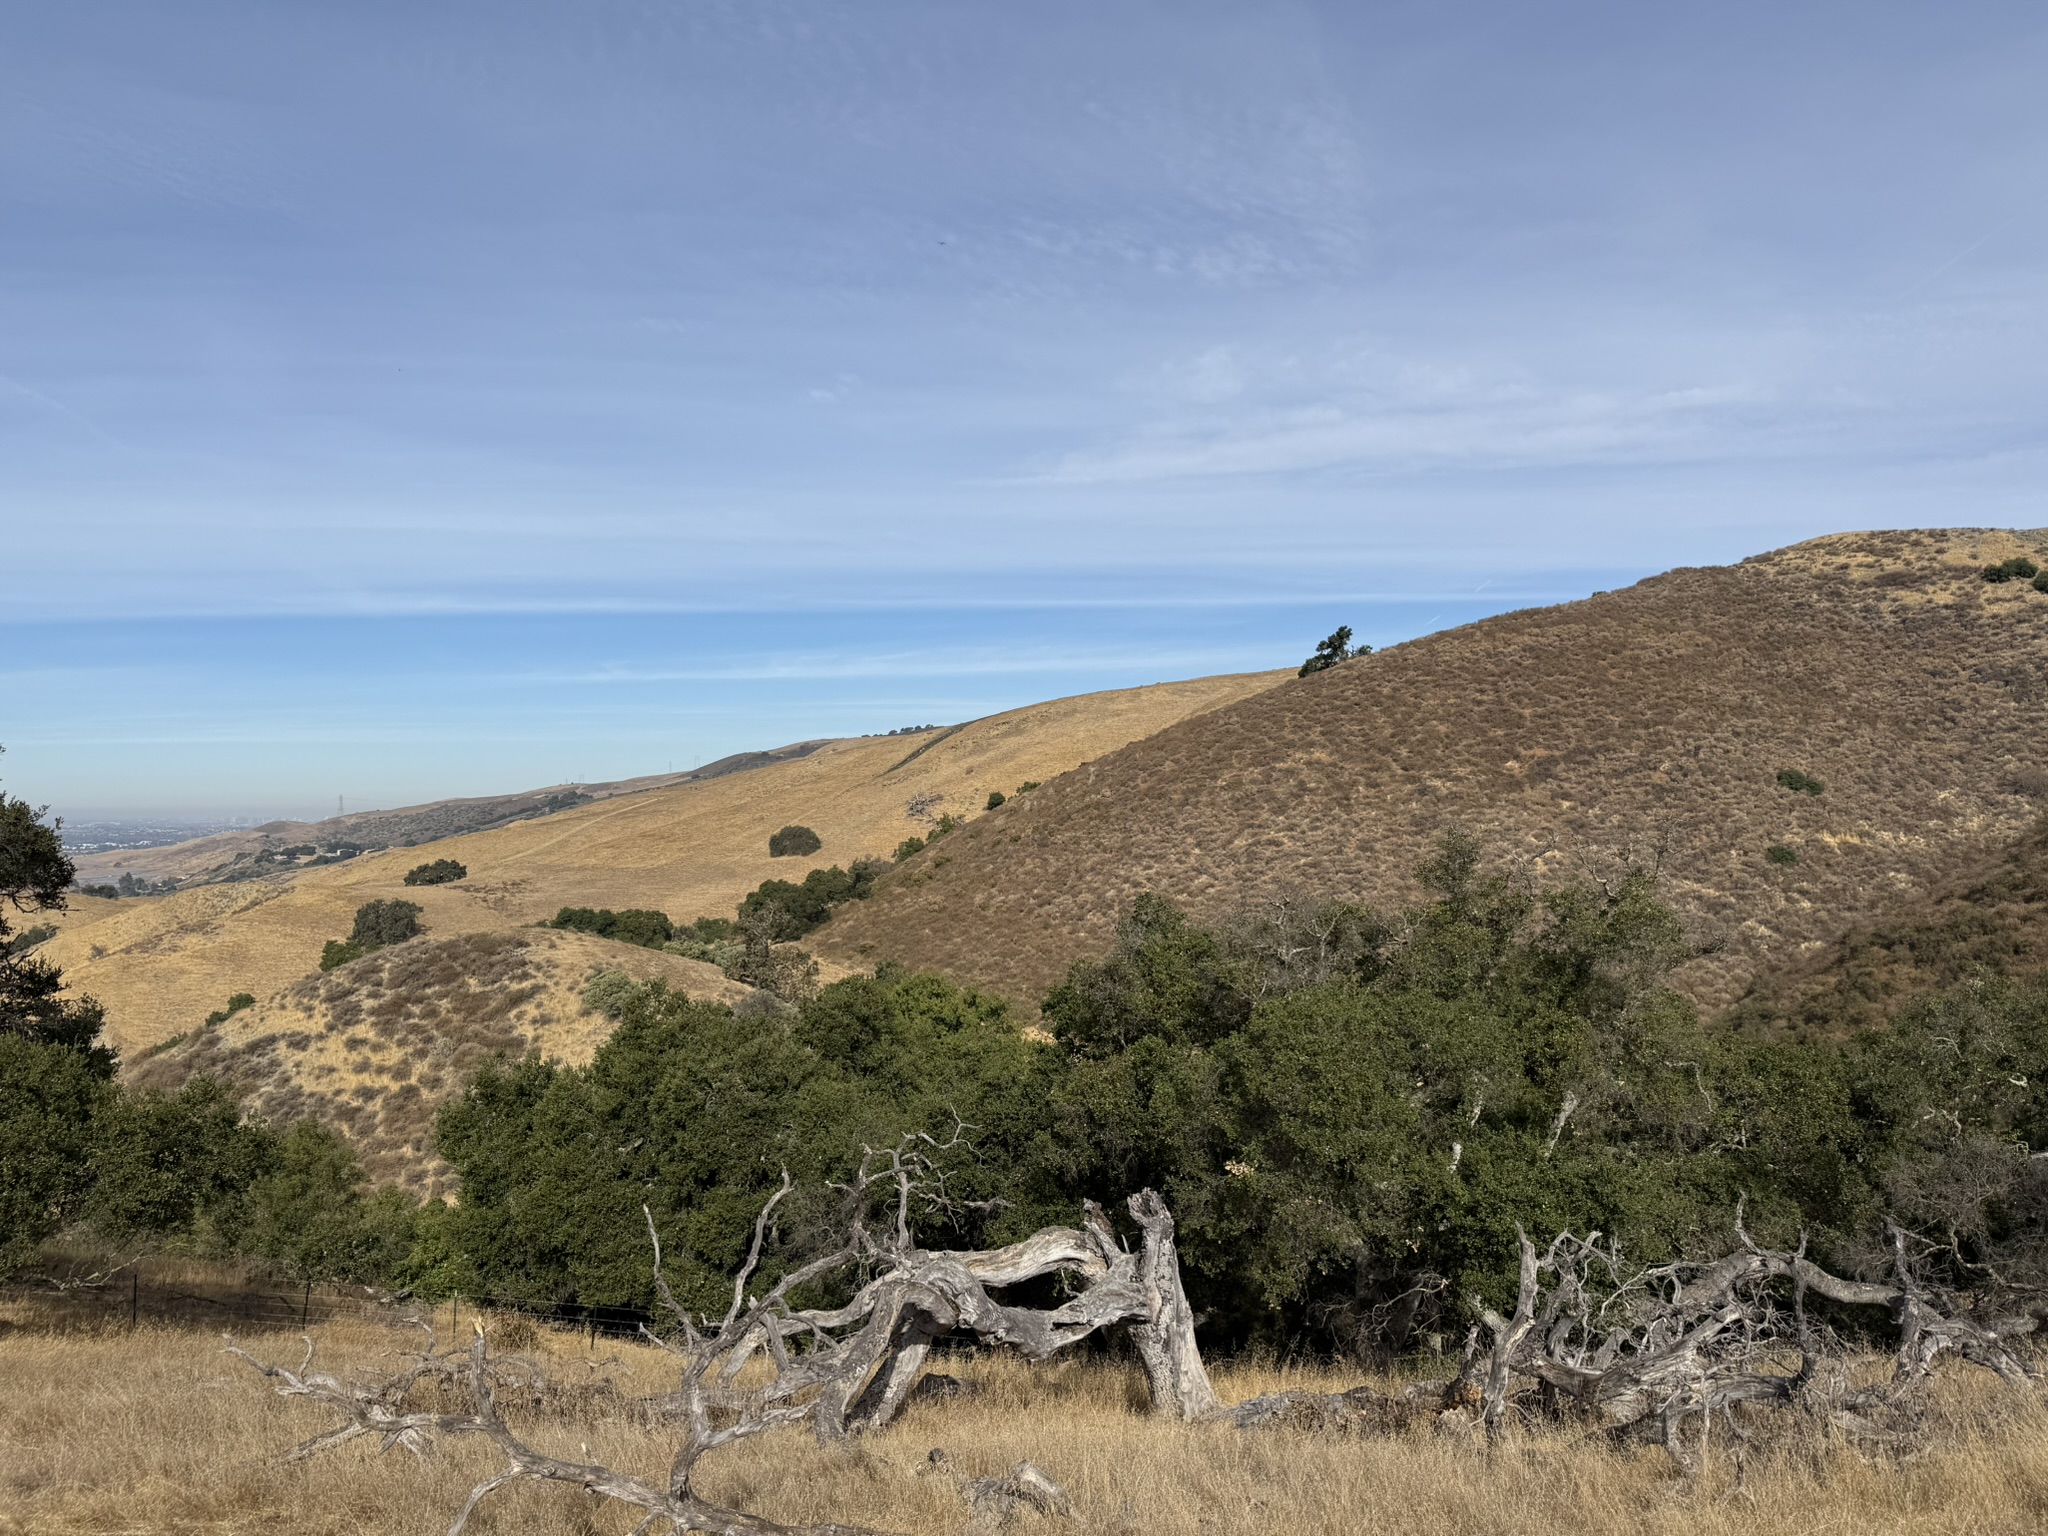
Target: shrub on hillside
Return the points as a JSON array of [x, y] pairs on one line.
[[440, 872], [385, 922], [1027, 786], [1779, 853], [793, 910], [336, 953], [793, 842], [235, 1005], [1799, 783], [636, 925], [2019, 567], [995, 798], [2041, 582], [27, 939], [907, 847]]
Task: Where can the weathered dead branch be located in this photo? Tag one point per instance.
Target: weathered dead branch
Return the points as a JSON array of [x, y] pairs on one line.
[[843, 1369], [1665, 1351], [993, 1502]]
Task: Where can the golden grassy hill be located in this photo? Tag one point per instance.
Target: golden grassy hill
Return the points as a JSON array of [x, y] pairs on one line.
[[1881, 663], [691, 849], [373, 1047]]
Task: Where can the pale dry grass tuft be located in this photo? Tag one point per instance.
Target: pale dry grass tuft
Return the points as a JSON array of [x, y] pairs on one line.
[[157, 1431]]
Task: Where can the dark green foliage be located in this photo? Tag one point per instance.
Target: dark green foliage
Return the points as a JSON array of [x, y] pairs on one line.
[[1335, 649], [793, 841], [907, 847], [55, 1076], [160, 1161], [385, 922], [109, 892], [439, 872], [2041, 582], [696, 1112], [28, 939], [306, 1213], [709, 930], [945, 824], [1779, 853], [995, 798], [2019, 567], [236, 1004], [50, 1097], [636, 925], [789, 910], [338, 952], [1027, 786], [1800, 783]]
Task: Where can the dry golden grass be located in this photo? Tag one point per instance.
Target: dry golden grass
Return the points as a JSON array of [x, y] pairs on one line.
[[157, 1432], [1560, 737], [691, 850]]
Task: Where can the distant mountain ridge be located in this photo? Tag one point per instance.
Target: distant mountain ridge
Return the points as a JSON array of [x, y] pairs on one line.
[[246, 854], [1650, 723]]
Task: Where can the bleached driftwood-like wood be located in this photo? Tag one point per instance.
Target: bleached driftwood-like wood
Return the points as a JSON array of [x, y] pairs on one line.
[[1663, 1351], [843, 1369]]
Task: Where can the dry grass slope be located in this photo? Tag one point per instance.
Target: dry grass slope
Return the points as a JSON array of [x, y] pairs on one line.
[[1989, 919], [1881, 663], [157, 1432], [691, 849], [374, 1047]]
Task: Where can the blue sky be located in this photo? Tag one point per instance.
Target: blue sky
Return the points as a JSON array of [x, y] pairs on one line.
[[436, 398]]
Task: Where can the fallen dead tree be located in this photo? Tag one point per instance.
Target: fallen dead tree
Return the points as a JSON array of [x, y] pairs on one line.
[[767, 1363], [1658, 1351]]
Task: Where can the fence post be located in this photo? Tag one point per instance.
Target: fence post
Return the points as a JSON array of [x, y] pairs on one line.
[[134, 1294], [306, 1306], [454, 1314]]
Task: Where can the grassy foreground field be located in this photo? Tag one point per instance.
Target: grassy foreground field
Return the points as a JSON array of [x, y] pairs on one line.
[[157, 1431]]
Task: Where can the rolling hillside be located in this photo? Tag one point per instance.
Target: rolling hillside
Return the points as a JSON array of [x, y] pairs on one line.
[[373, 1047], [1571, 739], [162, 964], [278, 847]]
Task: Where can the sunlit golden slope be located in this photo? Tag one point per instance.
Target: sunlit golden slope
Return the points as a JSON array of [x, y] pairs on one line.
[[693, 849]]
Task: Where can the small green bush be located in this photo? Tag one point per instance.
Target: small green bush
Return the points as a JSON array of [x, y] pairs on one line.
[[2041, 582], [236, 1004], [907, 847], [1778, 853], [27, 939], [339, 952], [793, 842], [995, 798], [1027, 786], [440, 872], [2018, 567], [946, 823], [385, 922], [1800, 783], [636, 925]]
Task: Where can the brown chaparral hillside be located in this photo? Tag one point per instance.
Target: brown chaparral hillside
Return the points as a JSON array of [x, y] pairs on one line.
[[1570, 739], [374, 1047], [162, 964], [1988, 918]]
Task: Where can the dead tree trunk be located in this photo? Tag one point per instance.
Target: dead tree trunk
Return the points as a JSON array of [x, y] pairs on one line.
[[845, 1369]]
